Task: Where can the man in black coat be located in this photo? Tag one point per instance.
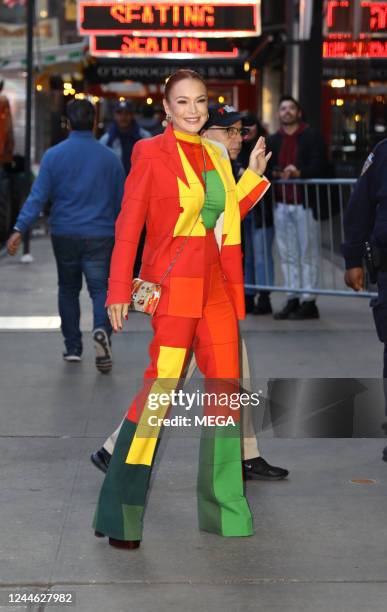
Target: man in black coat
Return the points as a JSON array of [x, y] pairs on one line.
[[298, 151], [257, 231]]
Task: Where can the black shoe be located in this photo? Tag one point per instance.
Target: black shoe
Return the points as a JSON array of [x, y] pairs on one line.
[[103, 351], [263, 306], [385, 454], [249, 303], [307, 310], [101, 459], [259, 469], [290, 306]]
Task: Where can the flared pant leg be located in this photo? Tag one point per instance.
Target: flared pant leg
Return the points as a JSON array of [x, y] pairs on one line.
[[222, 505], [121, 503]]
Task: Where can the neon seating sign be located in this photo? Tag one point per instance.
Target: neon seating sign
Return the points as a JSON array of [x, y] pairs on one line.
[[210, 19], [161, 47]]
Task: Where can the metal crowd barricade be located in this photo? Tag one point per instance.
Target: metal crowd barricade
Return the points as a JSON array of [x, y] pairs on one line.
[[326, 200]]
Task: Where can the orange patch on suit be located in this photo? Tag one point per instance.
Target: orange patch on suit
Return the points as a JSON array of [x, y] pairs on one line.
[[185, 296], [236, 291]]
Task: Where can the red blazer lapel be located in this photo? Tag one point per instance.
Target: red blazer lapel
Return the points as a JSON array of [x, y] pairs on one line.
[[169, 147]]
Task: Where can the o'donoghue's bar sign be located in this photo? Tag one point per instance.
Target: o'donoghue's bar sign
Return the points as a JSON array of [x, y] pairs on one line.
[[149, 71], [209, 19]]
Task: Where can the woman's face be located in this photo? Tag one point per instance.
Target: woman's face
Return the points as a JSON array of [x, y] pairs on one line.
[[187, 105]]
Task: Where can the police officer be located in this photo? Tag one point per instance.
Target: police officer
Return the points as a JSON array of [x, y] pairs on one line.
[[365, 220]]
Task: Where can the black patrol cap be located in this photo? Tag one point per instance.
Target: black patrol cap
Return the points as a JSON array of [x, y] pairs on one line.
[[222, 115], [121, 105]]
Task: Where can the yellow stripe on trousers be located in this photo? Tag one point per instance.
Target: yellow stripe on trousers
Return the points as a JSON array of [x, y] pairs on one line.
[[170, 364]]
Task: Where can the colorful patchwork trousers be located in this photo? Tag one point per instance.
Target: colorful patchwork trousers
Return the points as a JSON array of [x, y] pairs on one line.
[[222, 506]]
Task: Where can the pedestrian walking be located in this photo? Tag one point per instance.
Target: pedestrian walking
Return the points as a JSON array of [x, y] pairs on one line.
[[298, 153], [84, 181], [179, 185], [7, 141]]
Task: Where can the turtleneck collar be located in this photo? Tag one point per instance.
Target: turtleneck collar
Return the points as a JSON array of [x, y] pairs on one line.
[[193, 138]]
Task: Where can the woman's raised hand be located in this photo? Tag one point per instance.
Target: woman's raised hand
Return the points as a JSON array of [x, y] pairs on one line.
[[117, 313], [258, 157]]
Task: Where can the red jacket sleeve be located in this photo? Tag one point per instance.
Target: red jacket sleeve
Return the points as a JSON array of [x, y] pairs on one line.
[[129, 225]]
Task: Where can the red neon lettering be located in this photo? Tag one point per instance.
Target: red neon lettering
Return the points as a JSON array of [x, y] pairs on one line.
[[378, 17], [163, 10], [210, 18], [187, 46], [147, 14], [126, 13], [176, 15], [116, 13], [152, 45], [192, 16], [126, 44], [164, 45], [332, 6], [199, 16], [193, 45], [355, 49]]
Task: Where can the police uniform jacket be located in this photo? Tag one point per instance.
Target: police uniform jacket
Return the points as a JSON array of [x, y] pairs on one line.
[[366, 216]]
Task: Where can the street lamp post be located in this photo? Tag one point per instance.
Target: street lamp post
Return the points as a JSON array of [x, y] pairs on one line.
[[303, 76], [29, 85], [310, 68]]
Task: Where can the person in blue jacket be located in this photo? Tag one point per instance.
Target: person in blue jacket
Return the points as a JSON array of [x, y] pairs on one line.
[[84, 180], [365, 221], [123, 133]]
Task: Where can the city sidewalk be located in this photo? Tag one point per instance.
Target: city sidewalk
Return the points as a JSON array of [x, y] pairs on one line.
[[320, 543]]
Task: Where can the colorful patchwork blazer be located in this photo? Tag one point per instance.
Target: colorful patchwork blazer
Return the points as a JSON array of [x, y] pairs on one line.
[[164, 192]]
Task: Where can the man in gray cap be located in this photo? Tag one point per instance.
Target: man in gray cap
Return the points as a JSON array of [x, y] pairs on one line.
[[124, 132], [225, 125]]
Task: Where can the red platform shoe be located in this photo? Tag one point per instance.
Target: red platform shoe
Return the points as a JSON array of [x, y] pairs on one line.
[[128, 544]]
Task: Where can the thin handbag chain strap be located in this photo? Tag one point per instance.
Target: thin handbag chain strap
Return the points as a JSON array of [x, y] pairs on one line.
[[182, 246]]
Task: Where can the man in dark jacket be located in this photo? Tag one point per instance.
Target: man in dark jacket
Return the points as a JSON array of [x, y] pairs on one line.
[[84, 181], [298, 152], [121, 137], [258, 231], [123, 133]]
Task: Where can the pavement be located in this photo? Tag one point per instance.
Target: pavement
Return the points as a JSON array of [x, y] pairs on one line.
[[320, 541]]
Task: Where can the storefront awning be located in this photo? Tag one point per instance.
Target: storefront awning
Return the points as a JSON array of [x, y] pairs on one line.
[[51, 56]]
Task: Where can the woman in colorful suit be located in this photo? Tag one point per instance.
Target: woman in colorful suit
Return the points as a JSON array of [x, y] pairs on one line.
[[179, 186]]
